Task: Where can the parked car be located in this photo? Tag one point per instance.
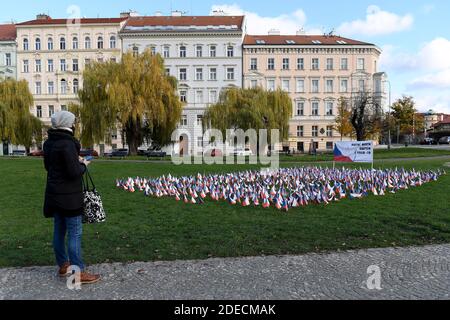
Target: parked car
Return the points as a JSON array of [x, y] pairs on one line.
[[37, 153], [120, 153], [428, 141], [444, 140], [88, 152], [156, 154], [245, 152], [19, 153]]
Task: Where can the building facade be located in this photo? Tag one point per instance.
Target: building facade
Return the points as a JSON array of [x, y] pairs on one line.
[[8, 63], [316, 71], [52, 54], [203, 52]]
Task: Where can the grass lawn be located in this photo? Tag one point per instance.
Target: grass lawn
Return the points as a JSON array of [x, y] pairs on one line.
[[147, 229]]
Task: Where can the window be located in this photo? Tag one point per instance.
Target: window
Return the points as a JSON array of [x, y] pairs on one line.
[[285, 63], [51, 111], [62, 43], [75, 86], [213, 96], [75, 43], [300, 63], [167, 71], [330, 145], [271, 85], [25, 45], [199, 96], [153, 50], [166, 52], [315, 109], [87, 43], [329, 108], [26, 66], [135, 51], [100, 43], [285, 85], [230, 73], [330, 63], [329, 86], [212, 51], [199, 51], [329, 131], [271, 64], [87, 62], [183, 121], [300, 109], [315, 131], [50, 87], [315, 64], [38, 44], [50, 44], [39, 111], [183, 74], [38, 89], [75, 65], [63, 108], [253, 84], [112, 42], [199, 74], [300, 85], [199, 120], [361, 85], [344, 64], [360, 65], [63, 65], [315, 86], [114, 59], [200, 142], [300, 131], [38, 66], [183, 96], [344, 85], [230, 51], [182, 52], [213, 74], [253, 64], [8, 59], [100, 59], [63, 86]]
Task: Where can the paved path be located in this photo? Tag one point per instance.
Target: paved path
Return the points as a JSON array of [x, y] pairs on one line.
[[408, 273]]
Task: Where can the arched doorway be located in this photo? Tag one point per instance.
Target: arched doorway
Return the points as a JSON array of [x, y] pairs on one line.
[[184, 145]]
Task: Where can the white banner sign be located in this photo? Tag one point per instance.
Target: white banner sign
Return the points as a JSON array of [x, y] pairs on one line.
[[354, 151]]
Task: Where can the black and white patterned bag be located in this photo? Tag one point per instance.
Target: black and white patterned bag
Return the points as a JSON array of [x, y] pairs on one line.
[[93, 206]]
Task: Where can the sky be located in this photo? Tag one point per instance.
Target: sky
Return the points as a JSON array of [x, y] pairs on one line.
[[413, 34]]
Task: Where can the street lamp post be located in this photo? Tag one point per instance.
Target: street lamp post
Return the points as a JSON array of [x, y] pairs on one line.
[[389, 115]]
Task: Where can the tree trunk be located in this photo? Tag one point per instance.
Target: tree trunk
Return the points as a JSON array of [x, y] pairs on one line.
[[133, 133]]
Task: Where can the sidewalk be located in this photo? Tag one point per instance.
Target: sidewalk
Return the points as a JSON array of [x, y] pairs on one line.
[[407, 273]]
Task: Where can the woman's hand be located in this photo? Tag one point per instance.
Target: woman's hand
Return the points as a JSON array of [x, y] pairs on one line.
[[84, 161]]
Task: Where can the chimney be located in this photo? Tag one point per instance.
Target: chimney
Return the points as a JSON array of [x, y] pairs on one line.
[[158, 14], [274, 32], [129, 14], [177, 13], [43, 16], [301, 32]]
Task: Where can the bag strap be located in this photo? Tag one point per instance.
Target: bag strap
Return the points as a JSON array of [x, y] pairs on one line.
[[88, 178]]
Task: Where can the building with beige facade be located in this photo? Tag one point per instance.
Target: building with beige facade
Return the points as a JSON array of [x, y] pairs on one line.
[[316, 71], [52, 54]]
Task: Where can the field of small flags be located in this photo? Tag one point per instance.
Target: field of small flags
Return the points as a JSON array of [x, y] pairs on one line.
[[283, 189]]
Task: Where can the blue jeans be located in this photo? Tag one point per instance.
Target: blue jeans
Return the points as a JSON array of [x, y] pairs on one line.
[[74, 229]]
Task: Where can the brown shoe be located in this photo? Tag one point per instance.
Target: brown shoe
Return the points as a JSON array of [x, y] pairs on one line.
[[87, 278], [64, 270]]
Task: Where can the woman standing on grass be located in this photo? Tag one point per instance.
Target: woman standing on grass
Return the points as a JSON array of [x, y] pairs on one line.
[[64, 193]]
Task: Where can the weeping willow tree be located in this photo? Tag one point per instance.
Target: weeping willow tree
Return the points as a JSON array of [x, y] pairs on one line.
[[134, 95], [17, 124], [250, 109]]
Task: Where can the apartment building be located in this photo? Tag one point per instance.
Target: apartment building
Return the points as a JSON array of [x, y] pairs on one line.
[[316, 71], [203, 52], [52, 54]]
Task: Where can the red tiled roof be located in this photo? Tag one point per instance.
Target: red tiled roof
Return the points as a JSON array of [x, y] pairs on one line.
[[299, 40], [51, 21], [185, 21], [7, 32]]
